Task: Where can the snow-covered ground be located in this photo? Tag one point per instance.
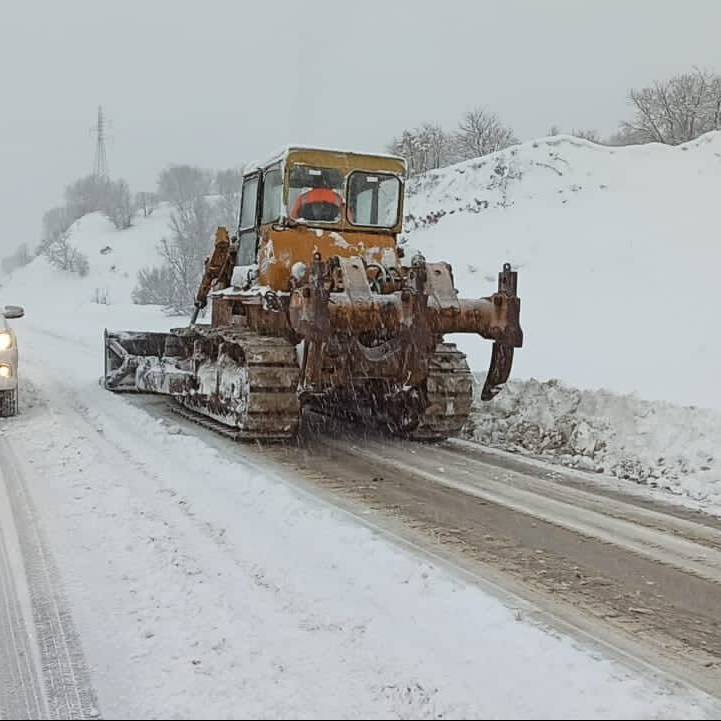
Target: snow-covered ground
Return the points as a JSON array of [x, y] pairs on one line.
[[114, 259], [205, 587]]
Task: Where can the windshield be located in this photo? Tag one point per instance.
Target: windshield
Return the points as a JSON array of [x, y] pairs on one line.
[[316, 194]]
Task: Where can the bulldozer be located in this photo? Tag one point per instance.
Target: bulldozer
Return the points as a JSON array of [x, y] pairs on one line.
[[314, 305]]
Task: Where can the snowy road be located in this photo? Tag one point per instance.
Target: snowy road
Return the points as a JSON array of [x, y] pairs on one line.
[[639, 573], [208, 579], [42, 667], [633, 573]]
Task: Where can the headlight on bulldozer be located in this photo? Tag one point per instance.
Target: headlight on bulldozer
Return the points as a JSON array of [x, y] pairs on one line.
[[6, 340], [6, 371]]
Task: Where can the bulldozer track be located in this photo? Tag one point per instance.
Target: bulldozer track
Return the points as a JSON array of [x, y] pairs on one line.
[[449, 391], [272, 411], [200, 419]]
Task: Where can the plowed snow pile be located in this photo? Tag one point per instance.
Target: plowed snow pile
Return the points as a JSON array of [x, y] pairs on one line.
[[658, 444]]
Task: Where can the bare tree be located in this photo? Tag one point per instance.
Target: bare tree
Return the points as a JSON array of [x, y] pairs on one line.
[[56, 223], [118, 204], [409, 147], [425, 148], [437, 146], [192, 223], [228, 184], [65, 256], [183, 253], [146, 203], [182, 184], [55, 243], [676, 110], [156, 286], [481, 132], [87, 195], [93, 193], [587, 134]]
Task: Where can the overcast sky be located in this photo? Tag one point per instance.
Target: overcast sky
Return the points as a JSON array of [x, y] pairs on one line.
[[217, 83]]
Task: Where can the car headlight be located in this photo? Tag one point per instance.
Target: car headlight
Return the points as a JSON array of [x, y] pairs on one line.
[[6, 340], [6, 371]]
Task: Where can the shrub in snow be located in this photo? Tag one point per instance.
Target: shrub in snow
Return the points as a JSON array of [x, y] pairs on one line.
[[175, 283], [146, 203], [118, 205], [183, 184], [64, 256], [56, 223], [86, 195], [157, 286], [93, 193]]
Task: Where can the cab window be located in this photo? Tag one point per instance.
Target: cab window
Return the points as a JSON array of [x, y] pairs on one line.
[[315, 195], [247, 230], [272, 195], [373, 199]]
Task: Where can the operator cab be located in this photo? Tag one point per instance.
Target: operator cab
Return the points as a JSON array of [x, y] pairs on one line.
[[305, 200]]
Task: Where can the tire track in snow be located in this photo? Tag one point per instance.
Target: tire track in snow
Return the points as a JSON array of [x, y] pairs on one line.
[[21, 692], [68, 691]]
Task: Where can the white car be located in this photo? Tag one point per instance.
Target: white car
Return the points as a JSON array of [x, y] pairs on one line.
[[9, 362]]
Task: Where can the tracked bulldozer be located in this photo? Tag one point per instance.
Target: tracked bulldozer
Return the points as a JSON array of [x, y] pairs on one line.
[[313, 305]]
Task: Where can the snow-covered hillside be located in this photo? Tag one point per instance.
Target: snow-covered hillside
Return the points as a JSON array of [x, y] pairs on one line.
[[65, 303], [617, 250], [114, 256]]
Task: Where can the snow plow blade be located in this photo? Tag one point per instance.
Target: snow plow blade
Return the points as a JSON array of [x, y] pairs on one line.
[[126, 352]]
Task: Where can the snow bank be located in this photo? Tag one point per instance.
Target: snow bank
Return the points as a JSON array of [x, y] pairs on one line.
[[661, 445]]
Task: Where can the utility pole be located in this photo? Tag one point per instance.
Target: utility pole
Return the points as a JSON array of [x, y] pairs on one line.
[[100, 169]]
